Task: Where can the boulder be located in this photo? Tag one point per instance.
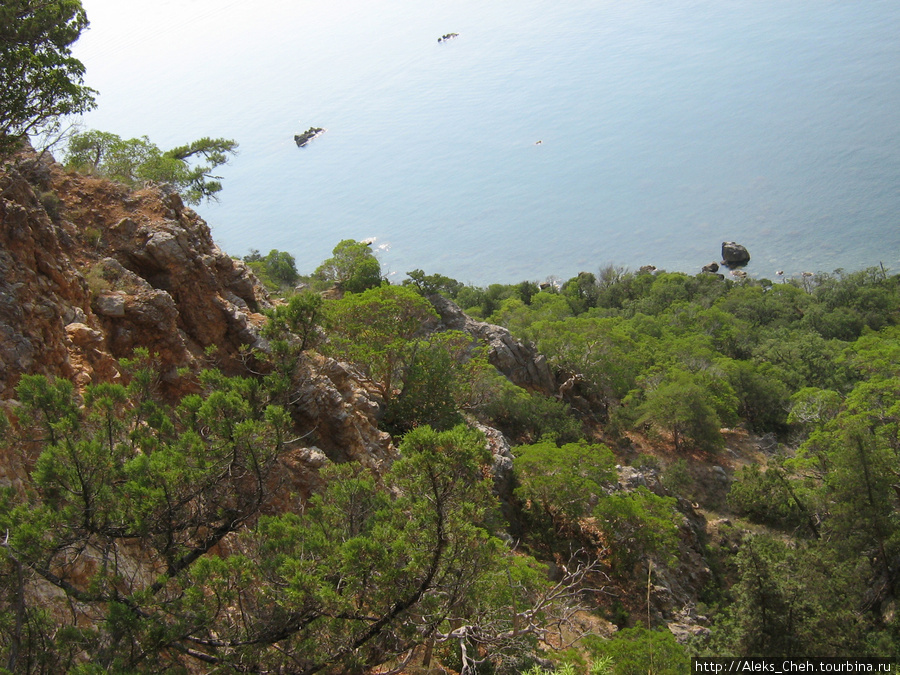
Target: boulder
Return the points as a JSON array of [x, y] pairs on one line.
[[110, 304], [734, 254], [332, 400], [83, 336], [502, 466], [712, 268], [166, 251]]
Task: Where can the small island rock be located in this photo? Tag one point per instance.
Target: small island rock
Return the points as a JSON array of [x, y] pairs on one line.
[[734, 254], [304, 138]]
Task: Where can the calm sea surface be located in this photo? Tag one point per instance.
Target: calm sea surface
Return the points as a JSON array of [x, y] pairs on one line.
[[665, 127]]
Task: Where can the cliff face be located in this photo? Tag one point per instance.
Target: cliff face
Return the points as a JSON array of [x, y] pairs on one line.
[[90, 271]]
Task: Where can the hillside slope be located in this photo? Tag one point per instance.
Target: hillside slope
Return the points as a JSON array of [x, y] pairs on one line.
[[90, 271]]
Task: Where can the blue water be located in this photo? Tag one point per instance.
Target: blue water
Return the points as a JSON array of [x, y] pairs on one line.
[[666, 127]]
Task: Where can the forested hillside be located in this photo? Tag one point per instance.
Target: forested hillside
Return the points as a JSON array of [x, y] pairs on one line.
[[610, 474], [806, 561], [214, 465]]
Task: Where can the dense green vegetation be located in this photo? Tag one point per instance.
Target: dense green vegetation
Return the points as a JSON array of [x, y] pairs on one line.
[[684, 356], [155, 517], [148, 517], [815, 363]]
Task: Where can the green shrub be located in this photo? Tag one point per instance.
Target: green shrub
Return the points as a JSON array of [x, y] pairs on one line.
[[562, 481], [427, 394], [644, 461], [764, 497], [677, 479], [97, 280], [637, 525], [93, 236], [52, 204], [526, 417], [638, 651], [353, 267]]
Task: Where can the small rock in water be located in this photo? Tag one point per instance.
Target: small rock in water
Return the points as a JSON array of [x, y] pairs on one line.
[[307, 136], [734, 255]]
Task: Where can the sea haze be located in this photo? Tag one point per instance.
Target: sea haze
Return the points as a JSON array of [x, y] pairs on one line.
[[665, 127]]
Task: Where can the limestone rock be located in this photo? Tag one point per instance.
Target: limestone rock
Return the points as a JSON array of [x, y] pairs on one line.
[[501, 453], [110, 304], [138, 268], [299, 477], [686, 632], [165, 249], [631, 478], [340, 413], [83, 336], [520, 362]]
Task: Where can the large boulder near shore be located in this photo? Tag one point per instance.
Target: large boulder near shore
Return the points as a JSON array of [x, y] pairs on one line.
[[734, 255]]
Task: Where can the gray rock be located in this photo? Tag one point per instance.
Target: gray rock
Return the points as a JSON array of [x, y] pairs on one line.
[[502, 467], [313, 457], [74, 315], [125, 227], [720, 474], [166, 250], [684, 633], [631, 478], [154, 308], [520, 362], [110, 304], [734, 254]]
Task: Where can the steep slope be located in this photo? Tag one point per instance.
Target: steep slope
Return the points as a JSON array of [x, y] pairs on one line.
[[91, 271]]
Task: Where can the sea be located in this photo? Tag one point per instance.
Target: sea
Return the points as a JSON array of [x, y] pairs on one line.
[[546, 138]]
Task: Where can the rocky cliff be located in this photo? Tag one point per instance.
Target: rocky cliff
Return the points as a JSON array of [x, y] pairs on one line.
[[90, 271]]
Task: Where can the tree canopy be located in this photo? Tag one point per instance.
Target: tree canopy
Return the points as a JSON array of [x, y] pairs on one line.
[[353, 267], [40, 80], [153, 523], [376, 330], [136, 160], [277, 269]]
